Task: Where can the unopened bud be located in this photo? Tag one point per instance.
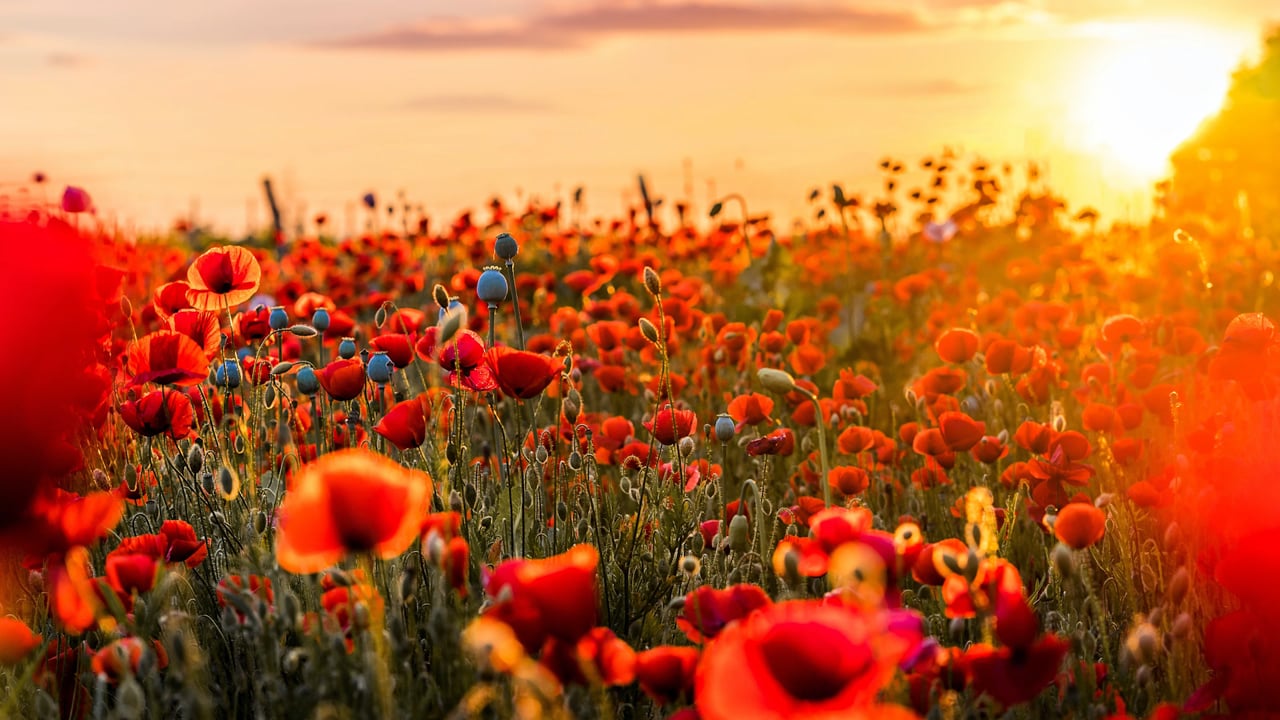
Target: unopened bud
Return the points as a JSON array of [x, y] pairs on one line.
[[1063, 561], [648, 330], [739, 540], [1179, 585], [652, 282]]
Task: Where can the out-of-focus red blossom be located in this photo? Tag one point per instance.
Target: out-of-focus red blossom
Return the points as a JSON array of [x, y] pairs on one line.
[[750, 409], [598, 658], [397, 346], [666, 673], [222, 277], [957, 345], [707, 610], [166, 357], [549, 598], [16, 641], [670, 424], [349, 501], [123, 657], [405, 424], [1080, 525], [1012, 676], [522, 374], [802, 659]]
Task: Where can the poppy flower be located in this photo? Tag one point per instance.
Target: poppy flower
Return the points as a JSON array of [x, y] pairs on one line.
[[553, 597], [166, 357], [405, 424], [522, 374], [16, 641], [779, 442], [397, 346], [203, 326], [751, 409], [159, 411], [957, 345], [598, 658], [959, 431], [222, 277], [800, 659], [123, 657], [707, 610], [181, 544], [849, 481], [669, 425], [854, 439], [343, 379], [131, 572], [666, 673], [1014, 675], [464, 359], [170, 298], [349, 501], [1080, 524]]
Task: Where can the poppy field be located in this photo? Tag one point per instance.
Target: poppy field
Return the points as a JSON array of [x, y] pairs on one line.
[[893, 462]]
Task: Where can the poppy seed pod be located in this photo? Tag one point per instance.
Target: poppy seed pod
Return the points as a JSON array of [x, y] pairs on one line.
[[308, 383], [320, 319], [278, 319], [229, 374], [724, 428], [506, 247], [492, 286], [379, 368], [347, 348]]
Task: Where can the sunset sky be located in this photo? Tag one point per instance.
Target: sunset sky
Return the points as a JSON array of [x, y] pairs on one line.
[[161, 107]]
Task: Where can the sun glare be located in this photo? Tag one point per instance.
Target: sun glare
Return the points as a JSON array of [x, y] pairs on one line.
[[1147, 90]]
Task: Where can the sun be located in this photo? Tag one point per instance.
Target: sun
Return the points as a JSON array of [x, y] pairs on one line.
[[1146, 90]]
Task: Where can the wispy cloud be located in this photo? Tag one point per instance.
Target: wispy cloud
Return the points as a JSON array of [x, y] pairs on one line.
[[558, 30], [476, 103]]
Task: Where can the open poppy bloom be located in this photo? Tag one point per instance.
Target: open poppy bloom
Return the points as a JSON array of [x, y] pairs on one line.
[[669, 424], [957, 345], [405, 424], [166, 357], [707, 610], [801, 659], [159, 411], [1080, 524], [522, 374], [350, 501], [222, 277], [1014, 675], [343, 379], [464, 359], [553, 597], [598, 658], [666, 673], [751, 409]]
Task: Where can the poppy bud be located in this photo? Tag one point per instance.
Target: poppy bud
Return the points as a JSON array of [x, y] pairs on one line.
[[492, 286], [724, 427], [379, 368], [195, 460], [450, 323], [1063, 561], [1182, 626], [1179, 585], [738, 539], [778, 381], [651, 281], [440, 295], [690, 565], [1172, 535], [455, 501], [686, 446], [506, 247], [648, 330], [320, 319], [75, 200], [278, 319], [347, 348]]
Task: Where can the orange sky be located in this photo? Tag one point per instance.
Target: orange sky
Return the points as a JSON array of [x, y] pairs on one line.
[[159, 107]]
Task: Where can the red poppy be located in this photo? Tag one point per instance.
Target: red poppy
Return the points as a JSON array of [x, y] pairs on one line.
[[669, 424], [349, 501], [16, 641], [801, 659], [166, 357], [169, 298], [598, 658], [181, 544], [405, 424], [1080, 525], [960, 431], [123, 657], [222, 277], [201, 326], [159, 411], [1014, 675], [464, 359], [666, 673], [343, 379], [751, 409], [522, 374], [957, 345], [779, 442], [398, 347], [707, 610], [854, 439], [849, 481], [554, 597], [129, 572]]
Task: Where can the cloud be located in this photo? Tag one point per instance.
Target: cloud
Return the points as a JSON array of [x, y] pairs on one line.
[[558, 30], [66, 60], [476, 103]]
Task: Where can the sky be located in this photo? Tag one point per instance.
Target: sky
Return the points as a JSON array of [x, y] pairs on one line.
[[164, 110]]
